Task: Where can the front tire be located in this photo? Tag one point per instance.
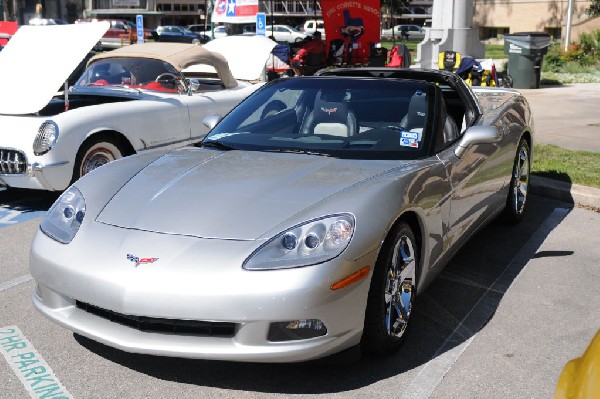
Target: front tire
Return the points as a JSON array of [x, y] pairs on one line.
[[392, 293], [94, 154], [516, 201]]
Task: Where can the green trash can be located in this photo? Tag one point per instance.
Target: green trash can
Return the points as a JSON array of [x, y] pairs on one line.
[[526, 52]]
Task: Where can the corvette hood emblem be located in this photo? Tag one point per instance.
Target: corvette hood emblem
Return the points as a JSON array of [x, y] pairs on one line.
[[139, 261]]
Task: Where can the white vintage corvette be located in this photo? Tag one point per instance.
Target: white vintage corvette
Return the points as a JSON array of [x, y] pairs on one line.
[[139, 98]]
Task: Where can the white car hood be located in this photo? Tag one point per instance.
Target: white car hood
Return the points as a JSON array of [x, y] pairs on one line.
[[229, 195], [245, 54], [38, 59]]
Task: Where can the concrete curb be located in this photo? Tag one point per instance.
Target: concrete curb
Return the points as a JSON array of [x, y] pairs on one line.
[[563, 191]]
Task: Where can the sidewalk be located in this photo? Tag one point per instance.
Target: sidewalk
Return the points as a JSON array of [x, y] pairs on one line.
[[565, 116]]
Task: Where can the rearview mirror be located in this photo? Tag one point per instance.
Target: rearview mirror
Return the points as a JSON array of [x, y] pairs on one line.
[[477, 135]]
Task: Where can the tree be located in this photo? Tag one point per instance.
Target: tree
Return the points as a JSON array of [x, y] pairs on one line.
[[594, 8]]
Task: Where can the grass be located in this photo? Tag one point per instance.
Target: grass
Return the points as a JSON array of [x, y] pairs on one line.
[[495, 51], [577, 167]]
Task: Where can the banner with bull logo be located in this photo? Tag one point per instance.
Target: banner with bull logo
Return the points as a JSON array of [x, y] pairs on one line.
[[351, 29]]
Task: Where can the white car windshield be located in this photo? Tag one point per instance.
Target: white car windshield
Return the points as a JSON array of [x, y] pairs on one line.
[[137, 73], [365, 118]]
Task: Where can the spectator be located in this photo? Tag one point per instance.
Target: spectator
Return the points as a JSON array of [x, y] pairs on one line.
[[312, 53]]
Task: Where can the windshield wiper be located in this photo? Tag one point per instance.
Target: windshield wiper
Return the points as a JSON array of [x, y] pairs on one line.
[[216, 144], [299, 151]]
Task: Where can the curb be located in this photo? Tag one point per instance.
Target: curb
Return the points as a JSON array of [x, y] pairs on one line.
[[567, 192]]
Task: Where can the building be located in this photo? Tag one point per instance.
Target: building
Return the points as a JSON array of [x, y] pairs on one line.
[[497, 18], [493, 17]]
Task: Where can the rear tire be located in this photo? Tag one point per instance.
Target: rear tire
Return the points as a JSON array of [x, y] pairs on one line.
[[392, 293], [516, 201]]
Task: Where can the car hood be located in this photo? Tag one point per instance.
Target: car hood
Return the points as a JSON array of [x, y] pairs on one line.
[[38, 59], [246, 55], [229, 195]]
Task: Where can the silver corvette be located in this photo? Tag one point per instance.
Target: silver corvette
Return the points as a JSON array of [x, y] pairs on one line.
[[303, 225]]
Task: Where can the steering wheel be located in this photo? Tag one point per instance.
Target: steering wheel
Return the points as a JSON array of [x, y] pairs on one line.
[[166, 74]]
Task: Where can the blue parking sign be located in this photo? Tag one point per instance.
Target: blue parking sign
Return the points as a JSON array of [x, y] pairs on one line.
[[261, 24], [139, 24]]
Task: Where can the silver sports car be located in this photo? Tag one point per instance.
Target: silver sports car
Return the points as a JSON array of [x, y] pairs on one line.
[[304, 224]]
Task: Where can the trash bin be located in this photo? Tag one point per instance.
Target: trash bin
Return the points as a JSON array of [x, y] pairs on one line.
[[525, 52]]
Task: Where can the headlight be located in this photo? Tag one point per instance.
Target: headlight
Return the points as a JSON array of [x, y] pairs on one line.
[[46, 137], [64, 217], [313, 242]]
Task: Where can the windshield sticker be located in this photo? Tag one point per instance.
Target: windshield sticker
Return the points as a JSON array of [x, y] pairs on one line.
[[409, 143], [411, 135]]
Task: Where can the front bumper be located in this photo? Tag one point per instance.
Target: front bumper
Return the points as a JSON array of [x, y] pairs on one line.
[[222, 292], [51, 177]]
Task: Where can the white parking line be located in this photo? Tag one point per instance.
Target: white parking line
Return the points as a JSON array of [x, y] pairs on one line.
[[430, 376], [29, 366], [15, 281]]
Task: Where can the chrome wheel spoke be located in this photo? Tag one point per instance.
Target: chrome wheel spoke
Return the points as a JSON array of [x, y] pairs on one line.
[[399, 290], [521, 180]]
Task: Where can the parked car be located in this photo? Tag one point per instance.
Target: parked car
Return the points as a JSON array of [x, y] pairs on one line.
[[121, 32], [285, 33], [220, 31], [311, 25], [179, 34], [130, 100], [47, 21], [404, 32], [304, 224]]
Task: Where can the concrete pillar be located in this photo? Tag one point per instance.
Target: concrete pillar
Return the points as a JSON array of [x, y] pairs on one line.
[[451, 30]]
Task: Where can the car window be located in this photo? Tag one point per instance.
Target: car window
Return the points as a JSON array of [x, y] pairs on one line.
[[136, 73], [340, 117]]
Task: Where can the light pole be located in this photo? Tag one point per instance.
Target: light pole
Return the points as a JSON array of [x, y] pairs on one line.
[[568, 28]]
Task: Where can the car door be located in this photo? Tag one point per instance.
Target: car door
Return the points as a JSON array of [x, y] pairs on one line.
[[477, 179], [283, 34]]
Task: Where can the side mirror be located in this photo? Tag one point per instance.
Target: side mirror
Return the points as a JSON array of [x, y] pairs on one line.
[[194, 84], [477, 135], [211, 120]]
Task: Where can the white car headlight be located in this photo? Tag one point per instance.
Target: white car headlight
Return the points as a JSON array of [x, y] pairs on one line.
[[310, 243], [46, 138], [64, 217]]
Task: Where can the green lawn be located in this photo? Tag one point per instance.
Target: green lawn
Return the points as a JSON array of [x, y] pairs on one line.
[[578, 167]]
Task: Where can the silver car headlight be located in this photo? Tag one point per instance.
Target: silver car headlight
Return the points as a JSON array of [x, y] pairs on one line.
[[46, 138], [310, 243], [64, 217]]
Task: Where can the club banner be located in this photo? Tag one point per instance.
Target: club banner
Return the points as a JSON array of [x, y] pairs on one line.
[[235, 11], [351, 28]]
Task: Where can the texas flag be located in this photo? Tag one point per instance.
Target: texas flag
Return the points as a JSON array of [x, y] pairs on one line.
[[234, 10]]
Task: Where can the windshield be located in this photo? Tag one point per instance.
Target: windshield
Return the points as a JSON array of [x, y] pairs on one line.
[[137, 73], [361, 118]]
